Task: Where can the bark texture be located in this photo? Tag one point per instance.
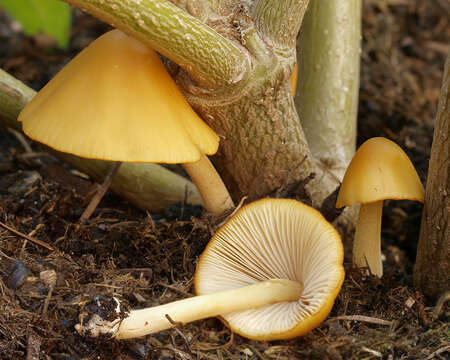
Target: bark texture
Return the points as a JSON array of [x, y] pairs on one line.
[[263, 147], [276, 28], [432, 268]]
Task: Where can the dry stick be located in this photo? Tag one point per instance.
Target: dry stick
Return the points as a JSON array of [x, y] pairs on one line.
[[100, 193], [47, 302], [362, 318], [223, 346], [29, 238], [176, 324], [33, 346], [438, 351], [440, 304], [19, 136]]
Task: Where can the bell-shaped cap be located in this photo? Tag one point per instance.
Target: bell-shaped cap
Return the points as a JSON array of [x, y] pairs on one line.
[[116, 101], [379, 170], [275, 239]]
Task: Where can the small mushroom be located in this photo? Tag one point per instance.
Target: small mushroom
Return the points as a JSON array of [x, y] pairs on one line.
[[116, 101], [379, 170], [271, 272]]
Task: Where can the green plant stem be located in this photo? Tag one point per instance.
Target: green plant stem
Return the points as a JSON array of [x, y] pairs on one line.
[[278, 21], [148, 186], [14, 95], [208, 57], [328, 80], [204, 9]]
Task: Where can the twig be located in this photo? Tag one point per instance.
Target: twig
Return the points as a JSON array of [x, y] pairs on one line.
[[438, 351], [235, 210], [6, 256], [176, 324], [361, 318], [182, 292], [371, 351], [29, 238], [100, 193], [224, 346], [33, 346], [47, 302], [21, 138], [126, 270], [440, 304]]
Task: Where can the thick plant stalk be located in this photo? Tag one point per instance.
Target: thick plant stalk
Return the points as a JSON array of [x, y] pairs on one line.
[[278, 21], [208, 57], [263, 147], [257, 157], [148, 186], [328, 80], [432, 268], [206, 10]]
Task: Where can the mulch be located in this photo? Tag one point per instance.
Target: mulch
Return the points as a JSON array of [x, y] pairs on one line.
[[149, 259]]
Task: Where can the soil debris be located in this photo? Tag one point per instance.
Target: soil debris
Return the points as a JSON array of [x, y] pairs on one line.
[[149, 259]]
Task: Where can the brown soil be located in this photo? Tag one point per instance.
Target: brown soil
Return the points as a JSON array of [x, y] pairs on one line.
[[150, 259]]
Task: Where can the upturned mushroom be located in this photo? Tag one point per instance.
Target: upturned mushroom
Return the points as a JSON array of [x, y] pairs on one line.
[[271, 272], [379, 170], [116, 101]]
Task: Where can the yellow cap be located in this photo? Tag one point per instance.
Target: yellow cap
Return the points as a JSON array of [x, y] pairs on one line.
[[379, 170], [116, 101]]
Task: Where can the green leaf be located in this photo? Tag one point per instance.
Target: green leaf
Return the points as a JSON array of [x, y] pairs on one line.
[[51, 17]]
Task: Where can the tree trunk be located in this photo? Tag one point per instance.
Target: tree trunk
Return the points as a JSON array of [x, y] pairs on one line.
[[432, 268]]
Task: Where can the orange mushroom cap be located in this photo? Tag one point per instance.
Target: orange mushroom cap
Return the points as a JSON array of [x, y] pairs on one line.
[[116, 101], [379, 170]]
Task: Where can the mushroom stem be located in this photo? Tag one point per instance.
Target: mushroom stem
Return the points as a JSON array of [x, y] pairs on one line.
[[367, 243], [147, 321], [215, 195]]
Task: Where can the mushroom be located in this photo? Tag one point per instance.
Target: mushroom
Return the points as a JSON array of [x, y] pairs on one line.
[[271, 272], [116, 101], [379, 170]]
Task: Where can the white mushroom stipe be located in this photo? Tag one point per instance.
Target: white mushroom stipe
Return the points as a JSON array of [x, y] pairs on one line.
[[143, 322]]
